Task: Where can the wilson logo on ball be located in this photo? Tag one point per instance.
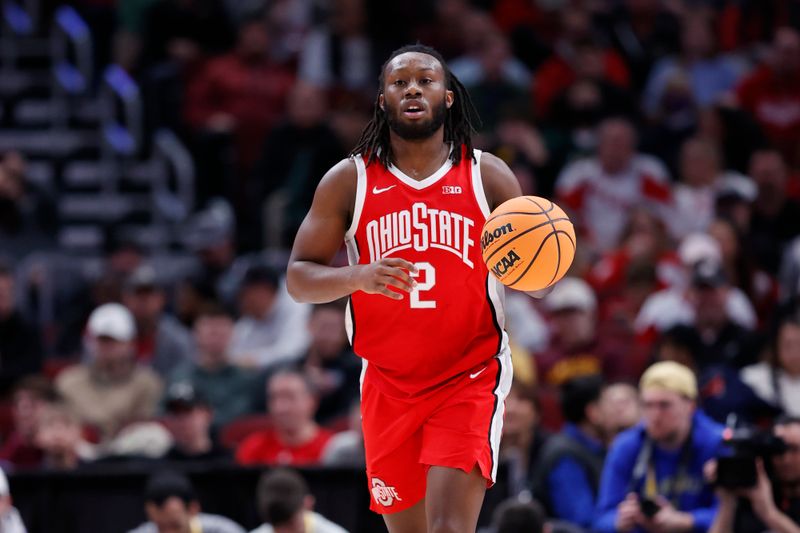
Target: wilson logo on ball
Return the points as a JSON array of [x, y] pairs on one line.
[[502, 266], [489, 237]]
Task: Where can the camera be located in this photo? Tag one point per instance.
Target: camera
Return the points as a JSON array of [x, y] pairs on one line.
[[649, 507], [738, 468]]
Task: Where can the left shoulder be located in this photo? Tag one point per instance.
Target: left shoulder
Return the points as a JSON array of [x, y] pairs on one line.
[[499, 183]]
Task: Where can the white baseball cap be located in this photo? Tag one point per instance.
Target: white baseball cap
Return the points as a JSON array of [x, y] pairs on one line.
[[571, 293], [697, 247], [112, 320]]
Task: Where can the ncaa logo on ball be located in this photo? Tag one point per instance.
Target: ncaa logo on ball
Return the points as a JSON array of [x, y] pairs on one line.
[[501, 267], [489, 237], [384, 495]]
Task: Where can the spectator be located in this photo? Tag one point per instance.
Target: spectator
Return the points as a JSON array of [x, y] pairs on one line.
[[577, 348], [642, 31], [702, 179], [29, 398], [346, 448], [772, 93], [20, 346], [776, 218], [661, 461], [110, 390], [521, 516], [295, 155], [777, 381], [523, 438], [772, 504], [568, 471], [558, 72], [681, 304], [285, 505], [229, 389], [602, 190], [338, 55], [243, 94], [294, 437], [10, 521], [621, 409], [721, 390], [210, 235], [59, 436], [171, 506], [26, 212], [161, 341], [189, 420], [706, 74], [329, 363], [272, 328]]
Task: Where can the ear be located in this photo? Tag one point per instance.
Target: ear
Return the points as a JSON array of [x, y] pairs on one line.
[[449, 98], [194, 508], [308, 502], [380, 102]]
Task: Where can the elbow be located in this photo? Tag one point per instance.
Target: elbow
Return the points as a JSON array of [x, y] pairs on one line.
[[293, 285]]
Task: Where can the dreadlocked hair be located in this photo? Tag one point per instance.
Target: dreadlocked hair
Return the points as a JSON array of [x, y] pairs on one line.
[[460, 122]]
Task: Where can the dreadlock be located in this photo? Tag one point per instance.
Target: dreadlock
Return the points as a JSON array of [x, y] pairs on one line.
[[460, 120]]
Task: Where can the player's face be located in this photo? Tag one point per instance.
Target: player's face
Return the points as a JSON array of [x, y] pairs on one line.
[[172, 517], [415, 96]]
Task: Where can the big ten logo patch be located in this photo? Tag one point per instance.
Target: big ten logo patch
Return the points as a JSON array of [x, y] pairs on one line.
[[451, 189], [383, 494]]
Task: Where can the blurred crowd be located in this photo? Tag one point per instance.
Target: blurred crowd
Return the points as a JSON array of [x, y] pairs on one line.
[[668, 129]]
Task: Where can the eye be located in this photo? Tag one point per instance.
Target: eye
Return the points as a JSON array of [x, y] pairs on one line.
[[399, 83], [426, 81]]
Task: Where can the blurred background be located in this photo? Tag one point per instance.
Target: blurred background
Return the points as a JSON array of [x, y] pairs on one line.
[[158, 156]]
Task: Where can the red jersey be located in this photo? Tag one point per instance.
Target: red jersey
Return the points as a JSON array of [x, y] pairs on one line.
[[454, 318], [265, 447]]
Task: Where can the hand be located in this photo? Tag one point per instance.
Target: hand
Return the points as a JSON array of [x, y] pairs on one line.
[[669, 519], [760, 496], [377, 277], [628, 513]]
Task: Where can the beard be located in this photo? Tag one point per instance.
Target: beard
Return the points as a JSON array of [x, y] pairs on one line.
[[419, 129]]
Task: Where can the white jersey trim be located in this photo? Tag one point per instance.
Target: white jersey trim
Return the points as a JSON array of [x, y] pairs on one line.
[[361, 193], [500, 392], [427, 182], [477, 184]]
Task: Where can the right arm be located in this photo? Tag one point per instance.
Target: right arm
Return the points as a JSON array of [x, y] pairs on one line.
[[310, 278]]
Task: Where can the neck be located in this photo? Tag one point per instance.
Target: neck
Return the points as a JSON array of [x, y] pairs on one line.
[[418, 154], [590, 430], [211, 362], [675, 441], [197, 447], [519, 441], [63, 460], [116, 371]]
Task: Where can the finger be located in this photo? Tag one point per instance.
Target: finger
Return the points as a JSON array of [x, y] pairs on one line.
[[390, 293], [402, 263], [402, 275], [398, 284]]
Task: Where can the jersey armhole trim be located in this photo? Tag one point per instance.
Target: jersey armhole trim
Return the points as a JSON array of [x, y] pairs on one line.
[[361, 192], [477, 184]]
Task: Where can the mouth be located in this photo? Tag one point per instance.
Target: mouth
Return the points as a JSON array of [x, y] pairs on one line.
[[414, 110]]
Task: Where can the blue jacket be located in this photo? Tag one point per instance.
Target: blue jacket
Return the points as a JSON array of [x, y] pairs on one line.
[[695, 497], [572, 491]]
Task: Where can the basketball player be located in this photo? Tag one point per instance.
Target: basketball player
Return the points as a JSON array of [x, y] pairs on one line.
[[424, 313]]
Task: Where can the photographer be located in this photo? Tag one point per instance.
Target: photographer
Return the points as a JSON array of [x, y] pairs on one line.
[[653, 475], [771, 505]]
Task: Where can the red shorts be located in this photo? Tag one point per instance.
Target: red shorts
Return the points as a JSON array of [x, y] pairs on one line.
[[457, 425]]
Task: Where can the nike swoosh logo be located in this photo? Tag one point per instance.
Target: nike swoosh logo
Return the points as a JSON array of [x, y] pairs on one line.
[[476, 374], [376, 190]]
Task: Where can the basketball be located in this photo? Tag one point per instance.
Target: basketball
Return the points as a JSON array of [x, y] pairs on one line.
[[528, 243]]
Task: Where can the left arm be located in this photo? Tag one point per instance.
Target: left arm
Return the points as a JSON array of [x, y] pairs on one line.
[[499, 185]]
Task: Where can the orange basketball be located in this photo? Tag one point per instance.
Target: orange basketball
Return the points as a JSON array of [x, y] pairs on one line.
[[528, 243]]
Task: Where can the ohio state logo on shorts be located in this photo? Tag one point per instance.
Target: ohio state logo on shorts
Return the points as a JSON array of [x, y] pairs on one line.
[[384, 495]]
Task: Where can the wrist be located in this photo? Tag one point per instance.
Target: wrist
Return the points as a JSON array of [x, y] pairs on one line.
[[687, 521], [351, 281]]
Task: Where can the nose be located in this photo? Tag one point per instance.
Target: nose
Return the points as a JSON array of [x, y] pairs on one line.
[[412, 89]]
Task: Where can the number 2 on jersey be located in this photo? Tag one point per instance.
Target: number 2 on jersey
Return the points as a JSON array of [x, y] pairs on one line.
[[429, 280]]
